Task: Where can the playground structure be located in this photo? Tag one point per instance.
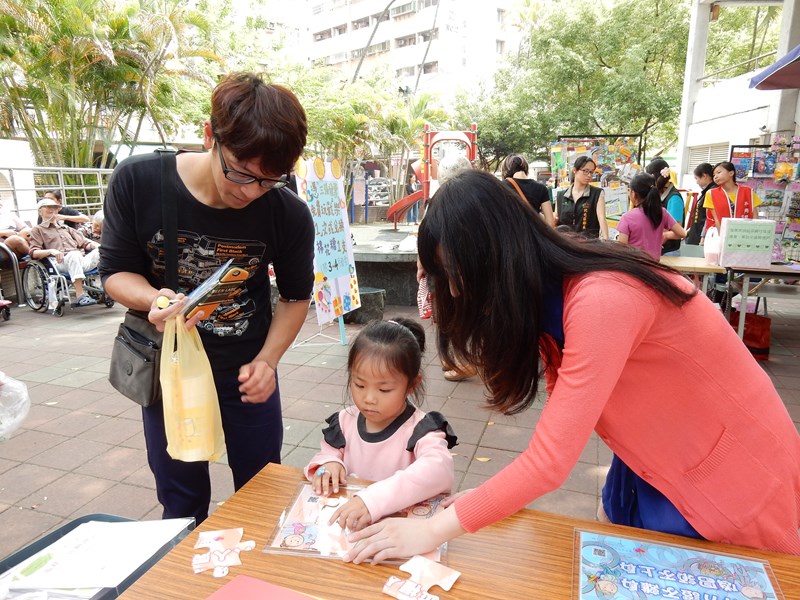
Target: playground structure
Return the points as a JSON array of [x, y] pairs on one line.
[[425, 167]]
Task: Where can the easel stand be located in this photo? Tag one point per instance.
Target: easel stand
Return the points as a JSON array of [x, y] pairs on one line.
[[308, 341]]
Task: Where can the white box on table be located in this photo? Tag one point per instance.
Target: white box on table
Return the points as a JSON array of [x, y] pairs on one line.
[[746, 243]]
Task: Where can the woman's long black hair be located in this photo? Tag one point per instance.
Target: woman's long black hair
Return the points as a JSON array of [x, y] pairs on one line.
[[499, 255]]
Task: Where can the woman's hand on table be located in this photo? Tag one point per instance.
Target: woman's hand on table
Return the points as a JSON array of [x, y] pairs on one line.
[[401, 538], [390, 538]]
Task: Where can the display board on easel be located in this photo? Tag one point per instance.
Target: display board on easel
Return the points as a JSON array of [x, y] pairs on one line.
[[616, 159], [335, 291]]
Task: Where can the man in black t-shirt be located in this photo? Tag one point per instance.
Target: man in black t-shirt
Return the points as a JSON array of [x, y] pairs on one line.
[[70, 216], [232, 203]]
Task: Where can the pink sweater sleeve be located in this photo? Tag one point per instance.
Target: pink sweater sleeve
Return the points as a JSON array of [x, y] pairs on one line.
[[431, 473], [594, 356], [326, 454]]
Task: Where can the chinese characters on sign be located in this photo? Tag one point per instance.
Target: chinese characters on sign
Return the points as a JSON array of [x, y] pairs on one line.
[[617, 567], [335, 282]]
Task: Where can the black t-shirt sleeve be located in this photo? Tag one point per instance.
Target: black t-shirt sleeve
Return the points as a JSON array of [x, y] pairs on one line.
[[294, 256], [540, 195], [120, 249]]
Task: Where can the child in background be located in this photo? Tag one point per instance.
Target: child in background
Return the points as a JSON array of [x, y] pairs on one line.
[[648, 224], [671, 199], [384, 437]]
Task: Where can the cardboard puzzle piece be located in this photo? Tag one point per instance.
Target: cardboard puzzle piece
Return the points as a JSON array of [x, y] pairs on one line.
[[425, 573], [223, 547]]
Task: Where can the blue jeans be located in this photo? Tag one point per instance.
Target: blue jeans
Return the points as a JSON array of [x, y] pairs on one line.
[[253, 438], [412, 216]]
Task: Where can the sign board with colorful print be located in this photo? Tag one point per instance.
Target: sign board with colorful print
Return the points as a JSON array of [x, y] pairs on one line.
[[335, 283], [629, 568]]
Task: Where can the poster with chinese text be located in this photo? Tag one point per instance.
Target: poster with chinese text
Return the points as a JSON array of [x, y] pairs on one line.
[[628, 568], [335, 284]]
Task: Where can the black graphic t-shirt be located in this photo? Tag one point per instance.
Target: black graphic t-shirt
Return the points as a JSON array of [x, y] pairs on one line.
[[276, 228]]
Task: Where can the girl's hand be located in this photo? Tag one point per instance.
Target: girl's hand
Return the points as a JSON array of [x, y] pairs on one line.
[[353, 515], [327, 478], [450, 499], [390, 538]]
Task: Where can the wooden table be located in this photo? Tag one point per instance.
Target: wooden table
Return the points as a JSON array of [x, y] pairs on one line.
[[528, 555], [693, 265], [763, 289]]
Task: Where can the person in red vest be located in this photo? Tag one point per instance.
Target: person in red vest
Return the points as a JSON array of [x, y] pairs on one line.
[[729, 199]]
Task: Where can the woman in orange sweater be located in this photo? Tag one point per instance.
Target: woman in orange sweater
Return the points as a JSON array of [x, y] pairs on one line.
[[720, 449]]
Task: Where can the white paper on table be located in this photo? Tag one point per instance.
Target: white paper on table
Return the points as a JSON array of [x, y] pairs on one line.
[[96, 554]]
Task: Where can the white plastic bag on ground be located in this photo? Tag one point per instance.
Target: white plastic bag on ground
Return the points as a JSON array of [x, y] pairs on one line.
[[409, 244], [14, 405]]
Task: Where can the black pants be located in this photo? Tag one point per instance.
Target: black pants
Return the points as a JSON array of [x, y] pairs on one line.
[[253, 438]]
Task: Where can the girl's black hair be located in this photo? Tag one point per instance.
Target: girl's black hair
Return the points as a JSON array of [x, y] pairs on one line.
[[654, 168], [398, 342], [704, 169], [513, 164], [501, 259], [644, 186], [728, 166]]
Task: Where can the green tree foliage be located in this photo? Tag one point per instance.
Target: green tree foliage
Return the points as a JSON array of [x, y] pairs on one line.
[[367, 118], [75, 72], [739, 35], [605, 68], [587, 68]]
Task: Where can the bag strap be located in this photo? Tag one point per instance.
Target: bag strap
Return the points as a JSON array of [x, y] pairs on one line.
[[516, 187], [169, 215]]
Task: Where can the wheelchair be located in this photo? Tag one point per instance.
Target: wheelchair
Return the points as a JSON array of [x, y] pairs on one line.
[[45, 287]]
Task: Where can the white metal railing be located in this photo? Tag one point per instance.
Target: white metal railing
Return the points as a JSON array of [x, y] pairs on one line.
[[713, 76], [82, 189]]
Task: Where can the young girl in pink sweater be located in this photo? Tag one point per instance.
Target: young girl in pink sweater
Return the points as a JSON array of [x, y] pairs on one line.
[[629, 350], [648, 224], [384, 437]]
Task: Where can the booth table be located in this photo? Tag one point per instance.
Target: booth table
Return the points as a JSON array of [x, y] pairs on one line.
[[528, 555], [693, 265], [763, 289]]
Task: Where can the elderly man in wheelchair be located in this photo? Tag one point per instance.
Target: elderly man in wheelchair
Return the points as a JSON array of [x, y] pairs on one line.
[[66, 250]]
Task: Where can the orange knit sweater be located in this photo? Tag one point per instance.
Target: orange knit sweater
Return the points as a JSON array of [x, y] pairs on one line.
[[677, 396]]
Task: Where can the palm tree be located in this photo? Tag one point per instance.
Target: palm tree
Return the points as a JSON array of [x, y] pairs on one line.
[[75, 71]]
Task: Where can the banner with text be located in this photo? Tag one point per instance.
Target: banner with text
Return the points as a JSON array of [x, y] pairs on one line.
[[335, 284]]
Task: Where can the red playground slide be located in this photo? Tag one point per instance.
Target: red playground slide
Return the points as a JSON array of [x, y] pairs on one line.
[[399, 209]]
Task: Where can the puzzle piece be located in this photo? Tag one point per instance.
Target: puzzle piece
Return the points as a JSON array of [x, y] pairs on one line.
[[224, 547], [405, 589], [425, 573]]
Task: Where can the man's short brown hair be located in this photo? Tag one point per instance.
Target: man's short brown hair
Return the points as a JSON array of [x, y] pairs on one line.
[[259, 121]]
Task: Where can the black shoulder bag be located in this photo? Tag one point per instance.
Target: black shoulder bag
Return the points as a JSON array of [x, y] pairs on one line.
[[136, 355]]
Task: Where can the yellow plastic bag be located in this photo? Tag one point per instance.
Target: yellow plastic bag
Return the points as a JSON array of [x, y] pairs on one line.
[[191, 408]]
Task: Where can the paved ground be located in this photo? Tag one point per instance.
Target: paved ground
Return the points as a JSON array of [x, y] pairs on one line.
[[81, 449]]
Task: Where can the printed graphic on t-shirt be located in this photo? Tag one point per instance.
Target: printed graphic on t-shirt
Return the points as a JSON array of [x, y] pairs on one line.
[[229, 309]]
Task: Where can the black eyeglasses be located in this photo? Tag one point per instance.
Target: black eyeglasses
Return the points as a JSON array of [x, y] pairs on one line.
[[243, 178]]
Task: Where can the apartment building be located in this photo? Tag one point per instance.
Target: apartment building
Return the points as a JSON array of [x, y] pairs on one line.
[[428, 45]]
